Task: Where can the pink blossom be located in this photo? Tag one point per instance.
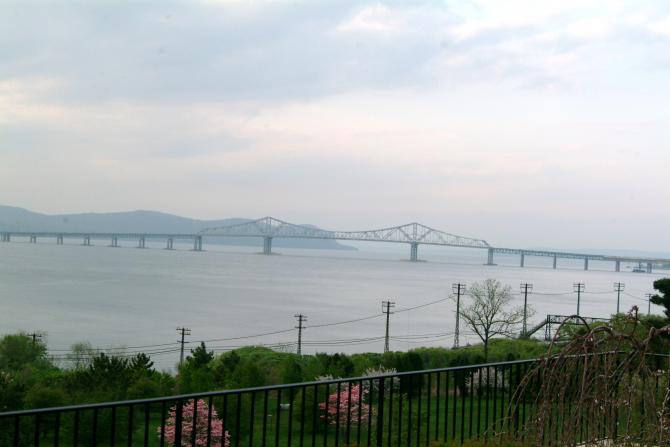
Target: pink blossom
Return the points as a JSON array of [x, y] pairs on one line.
[[218, 437], [347, 408]]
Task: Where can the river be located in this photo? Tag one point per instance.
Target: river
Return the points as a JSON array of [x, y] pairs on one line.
[[127, 297]]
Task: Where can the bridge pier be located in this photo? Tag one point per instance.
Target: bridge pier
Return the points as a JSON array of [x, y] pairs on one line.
[[649, 265], [586, 263], [414, 251], [170, 244], [523, 259], [489, 260], [197, 243], [115, 241], [555, 261], [267, 245], [87, 241], [617, 265], [59, 239]]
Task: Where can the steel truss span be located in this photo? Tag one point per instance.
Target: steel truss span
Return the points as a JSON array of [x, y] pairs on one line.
[[412, 233]]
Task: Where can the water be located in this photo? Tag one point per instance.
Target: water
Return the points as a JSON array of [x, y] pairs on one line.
[[126, 297]]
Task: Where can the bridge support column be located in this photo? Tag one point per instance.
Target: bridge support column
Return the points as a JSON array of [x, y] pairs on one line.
[[197, 243], [59, 239], [555, 261], [649, 265], [414, 252], [142, 242], [523, 260], [617, 265], [489, 260], [267, 245], [115, 241], [586, 263], [87, 241], [170, 244]]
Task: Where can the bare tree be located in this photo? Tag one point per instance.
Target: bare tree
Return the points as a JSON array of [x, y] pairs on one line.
[[486, 315]]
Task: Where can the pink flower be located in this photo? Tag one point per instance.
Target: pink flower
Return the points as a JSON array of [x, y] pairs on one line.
[[348, 406], [218, 437]]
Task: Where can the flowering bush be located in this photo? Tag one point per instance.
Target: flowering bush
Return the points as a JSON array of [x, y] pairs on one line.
[[349, 398], [392, 382], [218, 437]]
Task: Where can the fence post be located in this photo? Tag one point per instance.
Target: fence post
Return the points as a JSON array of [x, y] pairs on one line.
[[178, 422], [380, 413]]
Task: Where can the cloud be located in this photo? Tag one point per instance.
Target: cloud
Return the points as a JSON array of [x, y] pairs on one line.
[[365, 112]]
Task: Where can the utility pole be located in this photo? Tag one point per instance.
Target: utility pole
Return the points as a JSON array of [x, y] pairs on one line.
[[525, 288], [301, 319], [618, 287], [35, 336], [649, 295], [579, 288], [184, 331], [458, 289], [386, 308]]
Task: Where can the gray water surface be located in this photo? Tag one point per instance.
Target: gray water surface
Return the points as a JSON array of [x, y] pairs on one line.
[[126, 297]]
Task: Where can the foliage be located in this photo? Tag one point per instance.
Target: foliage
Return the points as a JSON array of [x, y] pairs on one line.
[[601, 385], [81, 355], [349, 404], [199, 411], [486, 314], [20, 351], [663, 297], [200, 356]]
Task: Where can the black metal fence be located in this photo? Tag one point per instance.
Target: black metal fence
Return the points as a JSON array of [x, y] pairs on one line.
[[422, 408], [556, 401]]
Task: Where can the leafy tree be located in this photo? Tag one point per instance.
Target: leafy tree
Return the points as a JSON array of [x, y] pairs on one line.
[[200, 356], [141, 365], [19, 350], [208, 426], [44, 396], [663, 297], [81, 355], [486, 314]]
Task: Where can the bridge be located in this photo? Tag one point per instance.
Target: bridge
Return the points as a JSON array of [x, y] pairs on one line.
[[113, 238], [413, 234], [268, 228]]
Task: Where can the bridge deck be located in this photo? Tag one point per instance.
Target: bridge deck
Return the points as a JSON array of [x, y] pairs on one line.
[[269, 228]]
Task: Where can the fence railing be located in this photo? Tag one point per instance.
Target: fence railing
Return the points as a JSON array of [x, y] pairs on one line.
[[423, 408]]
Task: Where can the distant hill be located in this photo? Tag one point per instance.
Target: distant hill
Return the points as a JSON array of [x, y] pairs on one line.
[[19, 219]]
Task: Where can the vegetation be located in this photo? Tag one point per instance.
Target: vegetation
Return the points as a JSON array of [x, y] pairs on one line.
[[603, 385], [469, 400], [28, 379], [487, 315], [663, 297]]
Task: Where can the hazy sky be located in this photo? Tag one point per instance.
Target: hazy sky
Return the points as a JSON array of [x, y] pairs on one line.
[[526, 123]]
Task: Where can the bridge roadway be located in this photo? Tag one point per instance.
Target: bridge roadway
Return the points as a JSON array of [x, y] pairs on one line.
[[268, 228]]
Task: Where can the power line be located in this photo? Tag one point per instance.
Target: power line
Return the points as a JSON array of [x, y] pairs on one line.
[[346, 322], [35, 336], [407, 309]]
